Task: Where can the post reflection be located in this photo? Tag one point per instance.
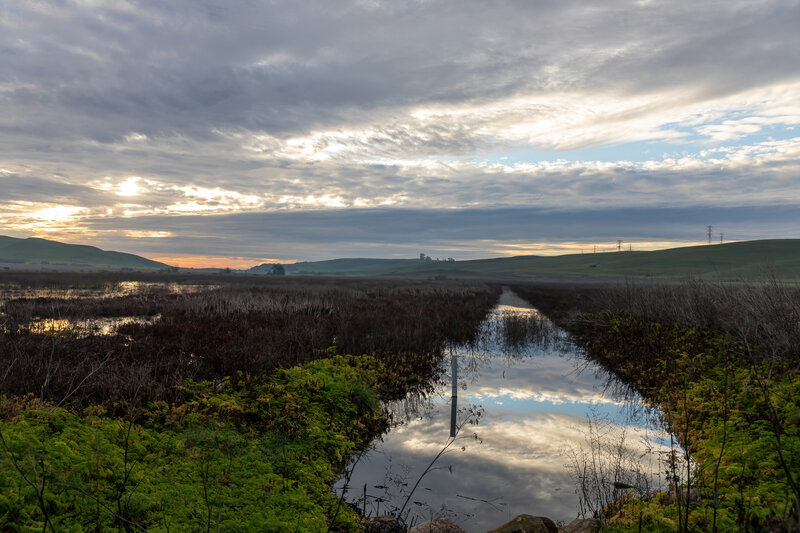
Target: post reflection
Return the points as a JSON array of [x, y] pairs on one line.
[[529, 400], [454, 396]]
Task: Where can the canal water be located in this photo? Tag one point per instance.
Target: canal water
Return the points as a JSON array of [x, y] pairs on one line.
[[539, 430]]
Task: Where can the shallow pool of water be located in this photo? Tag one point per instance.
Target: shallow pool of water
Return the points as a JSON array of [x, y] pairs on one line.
[[531, 413], [87, 326]]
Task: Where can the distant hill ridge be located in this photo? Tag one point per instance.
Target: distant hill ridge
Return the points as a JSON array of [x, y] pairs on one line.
[[42, 251], [745, 259], [730, 261]]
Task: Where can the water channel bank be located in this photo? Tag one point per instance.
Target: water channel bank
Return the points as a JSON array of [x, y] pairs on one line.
[[532, 413], [721, 361]]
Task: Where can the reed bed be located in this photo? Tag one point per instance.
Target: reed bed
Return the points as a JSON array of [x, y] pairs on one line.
[[233, 327]]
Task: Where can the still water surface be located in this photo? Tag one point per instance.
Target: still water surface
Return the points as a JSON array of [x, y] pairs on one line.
[[534, 401], [85, 326]]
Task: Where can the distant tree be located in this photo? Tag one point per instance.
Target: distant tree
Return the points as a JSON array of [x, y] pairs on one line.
[[277, 270]]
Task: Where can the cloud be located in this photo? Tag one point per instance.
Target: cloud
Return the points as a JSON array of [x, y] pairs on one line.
[[133, 108], [31, 188], [292, 235], [288, 66], [760, 173]]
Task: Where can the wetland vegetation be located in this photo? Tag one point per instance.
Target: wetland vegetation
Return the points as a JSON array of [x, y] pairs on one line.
[[157, 402], [235, 406], [722, 361]]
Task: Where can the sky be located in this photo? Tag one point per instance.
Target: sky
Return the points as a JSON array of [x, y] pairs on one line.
[[205, 133]]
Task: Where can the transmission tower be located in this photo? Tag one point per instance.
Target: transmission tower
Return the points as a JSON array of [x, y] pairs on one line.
[[619, 245], [709, 234], [721, 235]]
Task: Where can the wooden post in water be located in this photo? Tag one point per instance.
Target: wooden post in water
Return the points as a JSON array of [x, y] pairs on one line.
[[454, 399]]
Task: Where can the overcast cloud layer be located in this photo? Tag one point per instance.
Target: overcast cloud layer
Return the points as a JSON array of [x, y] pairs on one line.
[[175, 129]]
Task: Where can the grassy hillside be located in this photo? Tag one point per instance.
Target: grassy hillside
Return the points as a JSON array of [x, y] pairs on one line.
[[747, 259], [354, 267], [43, 251]]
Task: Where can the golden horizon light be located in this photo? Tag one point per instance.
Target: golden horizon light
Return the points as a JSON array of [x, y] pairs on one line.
[[209, 261]]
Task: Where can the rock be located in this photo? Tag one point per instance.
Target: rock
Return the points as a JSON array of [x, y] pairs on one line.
[[437, 525], [583, 525], [526, 523], [384, 524]]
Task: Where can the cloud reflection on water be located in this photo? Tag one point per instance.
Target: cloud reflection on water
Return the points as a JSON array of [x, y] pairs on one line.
[[536, 406]]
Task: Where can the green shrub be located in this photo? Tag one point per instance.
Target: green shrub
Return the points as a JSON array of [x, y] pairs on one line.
[[244, 454]]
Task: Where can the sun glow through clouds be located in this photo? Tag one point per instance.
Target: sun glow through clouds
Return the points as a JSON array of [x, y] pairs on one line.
[[129, 187], [567, 106]]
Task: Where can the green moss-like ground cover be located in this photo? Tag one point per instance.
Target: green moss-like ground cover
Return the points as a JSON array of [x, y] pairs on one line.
[[736, 411], [245, 454]]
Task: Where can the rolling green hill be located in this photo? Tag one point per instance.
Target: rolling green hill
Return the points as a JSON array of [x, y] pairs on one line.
[[58, 254], [748, 259]]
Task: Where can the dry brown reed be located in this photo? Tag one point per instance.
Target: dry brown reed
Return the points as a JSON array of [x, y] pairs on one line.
[[248, 327], [765, 316]]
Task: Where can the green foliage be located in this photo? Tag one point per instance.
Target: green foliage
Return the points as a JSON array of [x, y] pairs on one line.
[[242, 454], [727, 407]]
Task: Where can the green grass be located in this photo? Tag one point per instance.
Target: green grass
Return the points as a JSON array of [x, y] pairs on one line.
[[732, 261], [748, 259], [251, 454], [54, 253], [721, 403]]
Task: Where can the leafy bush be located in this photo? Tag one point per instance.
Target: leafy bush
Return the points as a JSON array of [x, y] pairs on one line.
[[245, 454]]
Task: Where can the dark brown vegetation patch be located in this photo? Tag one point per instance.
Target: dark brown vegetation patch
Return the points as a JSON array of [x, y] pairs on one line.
[[248, 327]]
